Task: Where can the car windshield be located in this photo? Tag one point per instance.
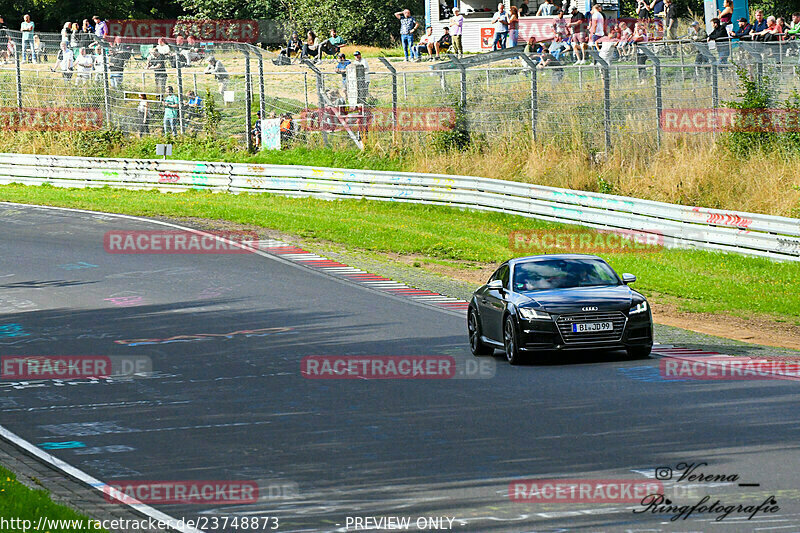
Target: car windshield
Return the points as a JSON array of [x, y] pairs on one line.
[[563, 274]]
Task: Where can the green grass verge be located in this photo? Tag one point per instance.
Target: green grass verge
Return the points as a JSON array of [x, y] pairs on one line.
[[701, 281], [19, 502]]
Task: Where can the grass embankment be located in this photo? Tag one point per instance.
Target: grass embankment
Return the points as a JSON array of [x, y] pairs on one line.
[[697, 281], [19, 502], [688, 171]]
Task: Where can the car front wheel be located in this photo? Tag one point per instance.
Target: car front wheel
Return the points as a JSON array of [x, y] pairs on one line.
[[476, 345], [510, 342], [642, 352]]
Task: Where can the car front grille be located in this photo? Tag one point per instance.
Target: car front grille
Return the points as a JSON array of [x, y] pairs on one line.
[[565, 322]]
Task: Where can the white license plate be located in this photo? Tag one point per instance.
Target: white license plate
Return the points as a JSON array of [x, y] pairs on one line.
[[589, 327]]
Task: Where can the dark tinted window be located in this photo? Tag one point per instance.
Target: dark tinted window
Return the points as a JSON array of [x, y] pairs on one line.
[[502, 274], [562, 274]]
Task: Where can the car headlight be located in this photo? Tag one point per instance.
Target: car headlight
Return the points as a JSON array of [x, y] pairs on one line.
[[638, 308], [529, 313]]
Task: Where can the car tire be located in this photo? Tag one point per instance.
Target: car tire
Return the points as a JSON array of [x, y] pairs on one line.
[[642, 352], [476, 345], [510, 340]]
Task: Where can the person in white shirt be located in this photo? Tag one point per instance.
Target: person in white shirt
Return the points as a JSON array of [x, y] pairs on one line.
[[358, 60], [426, 44], [597, 25], [64, 61], [26, 28], [85, 65]]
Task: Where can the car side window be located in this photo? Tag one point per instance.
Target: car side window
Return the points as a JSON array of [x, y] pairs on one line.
[[502, 274]]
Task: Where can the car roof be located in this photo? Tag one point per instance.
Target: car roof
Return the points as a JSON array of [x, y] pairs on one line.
[[551, 257]]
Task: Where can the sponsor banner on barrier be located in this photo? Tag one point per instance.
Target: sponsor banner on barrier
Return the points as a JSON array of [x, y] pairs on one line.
[[583, 490], [585, 241], [72, 366], [727, 368], [179, 242], [338, 118], [395, 367], [51, 119], [185, 492], [206, 30], [707, 120]]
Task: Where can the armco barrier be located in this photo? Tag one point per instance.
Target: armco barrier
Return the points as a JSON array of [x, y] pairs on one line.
[[682, 226]]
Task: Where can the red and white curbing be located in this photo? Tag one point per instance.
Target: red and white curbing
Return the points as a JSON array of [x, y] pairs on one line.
[[306, 258]]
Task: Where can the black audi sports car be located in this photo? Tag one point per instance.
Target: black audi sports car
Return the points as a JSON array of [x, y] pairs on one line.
[[554, 303]]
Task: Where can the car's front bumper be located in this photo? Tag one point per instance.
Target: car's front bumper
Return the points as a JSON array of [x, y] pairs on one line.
[[544, 335]]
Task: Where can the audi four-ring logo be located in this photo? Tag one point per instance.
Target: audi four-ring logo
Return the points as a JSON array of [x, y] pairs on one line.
[[588, 308]]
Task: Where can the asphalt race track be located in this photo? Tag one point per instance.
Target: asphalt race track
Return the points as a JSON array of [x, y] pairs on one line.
[[226, 399]]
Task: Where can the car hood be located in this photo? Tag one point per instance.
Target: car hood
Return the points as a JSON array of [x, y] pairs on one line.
[[559, 301]]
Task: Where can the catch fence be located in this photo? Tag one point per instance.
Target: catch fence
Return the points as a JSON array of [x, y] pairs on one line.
[[622, 98]]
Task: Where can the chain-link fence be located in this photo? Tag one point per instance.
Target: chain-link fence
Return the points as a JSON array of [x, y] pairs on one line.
[[624, 97]]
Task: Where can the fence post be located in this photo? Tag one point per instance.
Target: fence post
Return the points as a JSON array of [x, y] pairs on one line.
[[714, 85], [261, 90], [606, 97], [194, 79], [179, 73], [19, 82], [463, 70], [393, 71], [659, 99], [534, 92], [405, 87], [305, 88], [247, 99], [320, 97], [106, 97]]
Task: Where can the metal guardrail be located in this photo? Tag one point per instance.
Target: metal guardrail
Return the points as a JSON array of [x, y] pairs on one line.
[[679, 226]]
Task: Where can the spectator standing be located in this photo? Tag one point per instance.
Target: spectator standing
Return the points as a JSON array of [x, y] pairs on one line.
[[642, 11], [117, 56], [547, 9], [341, 68], [64, 61], [758, 26], [216, 68], [444, 43], [142, 111], [726, 15], [794, 30], [523, 8], [513, 26], [500, 22], [560, 26], [670, 23], [74, 38], [311, 46], [162, 47], [698, 34], [170, 112], [720, 37], [157, 63], [100, 27], [457, 30], [597, 25], [65, 32], [358, 60], [577, 25], [85, 65], [408, 25], [27, 28]]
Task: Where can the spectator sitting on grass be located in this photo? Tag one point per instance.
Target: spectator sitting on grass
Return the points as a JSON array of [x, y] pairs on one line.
[[426, 44], [444, 43], [331, 45], [558, 47], [531, 47], [193, 106], [311, 46]]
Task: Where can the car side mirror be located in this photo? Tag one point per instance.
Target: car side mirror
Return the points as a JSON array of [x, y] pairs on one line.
[[627, 279], [495, 284]]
